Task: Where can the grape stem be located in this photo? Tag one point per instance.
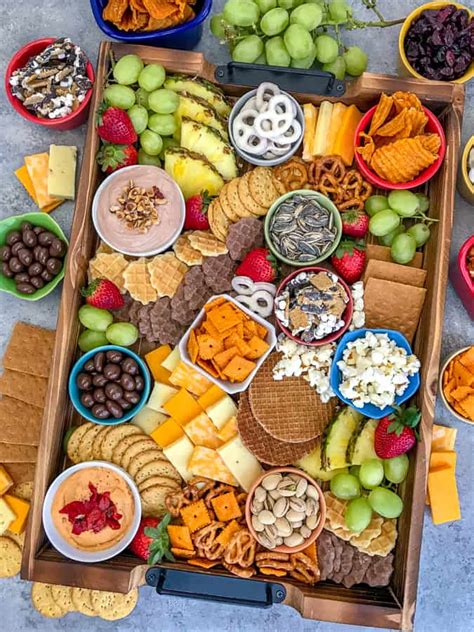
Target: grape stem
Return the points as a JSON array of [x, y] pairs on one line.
[[425, 218]]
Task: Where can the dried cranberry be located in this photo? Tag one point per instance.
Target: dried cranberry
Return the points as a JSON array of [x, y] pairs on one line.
[[93, 514]]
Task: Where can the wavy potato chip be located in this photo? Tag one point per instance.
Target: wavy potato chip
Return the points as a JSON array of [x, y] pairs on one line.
[[147, 15], [404, 100], [394, 126], [115, 10], [418, 121], [402, 160], [381, 114]]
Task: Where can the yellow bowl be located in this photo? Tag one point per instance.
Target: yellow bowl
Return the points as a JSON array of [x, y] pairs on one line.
[[405, 64], [465, 186], [441, 389]]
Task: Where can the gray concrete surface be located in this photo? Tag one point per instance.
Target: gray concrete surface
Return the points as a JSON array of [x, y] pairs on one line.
[[445, 594]]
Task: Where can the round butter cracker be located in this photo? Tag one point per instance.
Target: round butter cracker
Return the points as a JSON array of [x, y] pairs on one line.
[[10, 557], [82, 601], [112, 606], [42, 598], [62, 595]]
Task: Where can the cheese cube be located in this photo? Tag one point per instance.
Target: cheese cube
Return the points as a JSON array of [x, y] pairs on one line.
[[160, 394], [62, 171], [21, 509], [443, 438], [241, 462], [229, 430], [211, 396], [222, 411], [202, 431], [179, 453], [443, 460], [182, 407], [206, 462], [148, 419], [37, 166], [23, 176], [443, 495], [172, 361], [6, 480], [154, 360], [7, 516], [187, 377], [166, 434]]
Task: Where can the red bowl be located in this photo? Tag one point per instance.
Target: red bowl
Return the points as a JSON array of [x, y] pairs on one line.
[[70, 121], [433, 126], [347, 316]]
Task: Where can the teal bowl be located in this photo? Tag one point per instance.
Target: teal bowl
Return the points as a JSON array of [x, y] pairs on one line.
[[323, 201], [13, 223]]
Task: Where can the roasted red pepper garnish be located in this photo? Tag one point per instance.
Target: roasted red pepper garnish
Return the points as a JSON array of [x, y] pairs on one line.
[[94, 514]]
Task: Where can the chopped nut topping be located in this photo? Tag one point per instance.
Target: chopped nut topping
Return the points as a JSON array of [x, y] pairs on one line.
[[137, 207]]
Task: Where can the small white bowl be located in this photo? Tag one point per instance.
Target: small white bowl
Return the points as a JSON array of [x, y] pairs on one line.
[[441, 389], [152, 176], [67, 549], [229, 387]]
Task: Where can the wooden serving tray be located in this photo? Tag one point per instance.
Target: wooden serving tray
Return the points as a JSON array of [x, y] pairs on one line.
[[390, 607]]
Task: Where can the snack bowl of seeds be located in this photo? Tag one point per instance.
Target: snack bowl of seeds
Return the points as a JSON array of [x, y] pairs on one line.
[[313, 306], [285, 510], [303, 228]]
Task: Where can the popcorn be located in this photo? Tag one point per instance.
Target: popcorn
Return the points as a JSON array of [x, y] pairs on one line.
[[358, 314]]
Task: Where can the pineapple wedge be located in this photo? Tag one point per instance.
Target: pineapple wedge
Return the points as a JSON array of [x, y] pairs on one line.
[[199, 110], [200, 88], [207, 141], [361, 446], [311, 464], [336, 439], [192, 172]]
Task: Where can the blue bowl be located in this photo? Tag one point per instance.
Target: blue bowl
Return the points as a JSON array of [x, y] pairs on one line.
[[74, 393], [184, 36], [369, 410]]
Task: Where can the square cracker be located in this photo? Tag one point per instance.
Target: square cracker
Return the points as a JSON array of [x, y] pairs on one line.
[[20, 472], [29, 350], [28, 388], [389, 271], [16, 453], [20, 423], [392, 305], [382, 253]]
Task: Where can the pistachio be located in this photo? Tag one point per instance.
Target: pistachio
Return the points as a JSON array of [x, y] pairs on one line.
[[301, 487], [305, 532], [283, 527], [287, 487], [275, 494], [312, 492], [297, 525], [295, 539], [298, 504], [260, 494], [266, 517], [278, 541], [311, 522], [256, 506], [294, 516], [271, 531], [257, 525], [271, 481], [311, 507], [268, 503], [265, 541], [280, 507]]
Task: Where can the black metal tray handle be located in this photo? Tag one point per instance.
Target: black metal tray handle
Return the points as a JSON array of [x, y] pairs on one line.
[[289, 79], [233, 590]]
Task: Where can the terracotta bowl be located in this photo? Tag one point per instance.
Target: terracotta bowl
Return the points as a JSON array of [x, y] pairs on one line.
[[322, 508], [441, 389]]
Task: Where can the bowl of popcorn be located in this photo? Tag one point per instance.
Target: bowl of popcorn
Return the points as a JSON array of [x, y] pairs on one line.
[[374, 370]]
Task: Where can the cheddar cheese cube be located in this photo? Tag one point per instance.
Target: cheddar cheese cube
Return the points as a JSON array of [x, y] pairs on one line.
[[37, 166], [6, 480], [211, 396], [182, 407], [443, 460], [21, 509], [202, 431], [206, 462], [7, 516], [167, 433], [229, 430], [154, 360], [443, 438], [443, 495], [160, 394], [187, 377]]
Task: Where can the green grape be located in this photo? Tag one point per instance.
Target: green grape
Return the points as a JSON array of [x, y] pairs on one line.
[[298, 41], [127, 69], [306, 62], [139, 117], [371, 473], [91, 339], [356, 60], [261, 60], [163, 124], [423, 202], [141, 97], [358, 514], [383, 222], [345, 486], [121, 97], [405, 203], [276, 52], [123, 334], [287, 4], [327, 49], [387, 240], [167, 142], [420, 232], [152, 77], [94, 318], [241, 12], [151, 142], [354, 470], [163, 101], [265, 5], [248, 49], [146, 159], [376, 203], [396, 469], [218, 26], [339, 11], [337, 67], [385, 502], [403, 248], [275, 21], [309, 16]]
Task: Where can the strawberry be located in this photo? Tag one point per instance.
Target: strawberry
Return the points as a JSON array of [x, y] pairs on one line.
[[196, 212], [152, 542], [396, 433], [104, 294], [259, 265], [112, 157], [355, 224], [114, 126], [349, 260]]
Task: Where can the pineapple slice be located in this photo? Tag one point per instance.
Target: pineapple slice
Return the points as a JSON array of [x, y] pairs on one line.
[[207, 141], [362, 447], [199, 110], [311, 464], [200, 88], [192, 172], [337, 436]]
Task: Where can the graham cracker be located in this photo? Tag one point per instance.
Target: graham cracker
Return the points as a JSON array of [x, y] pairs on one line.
[[389, 271], [29, 350], [20, 472], [24, 386], [392, 305], [18, 453], [20, 423], [382, 253]]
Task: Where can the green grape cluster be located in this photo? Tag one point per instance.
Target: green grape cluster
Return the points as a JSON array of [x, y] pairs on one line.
[[292, 33], [386, 222]]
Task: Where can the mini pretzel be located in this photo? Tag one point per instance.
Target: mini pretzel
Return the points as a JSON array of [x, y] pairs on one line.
[[241, 549], [328, 185], [328, 164], [174, 503], [352, 181], [305, 569], [293, 174], [246, 573], [365, 190], [353, 204], [204, 538]]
